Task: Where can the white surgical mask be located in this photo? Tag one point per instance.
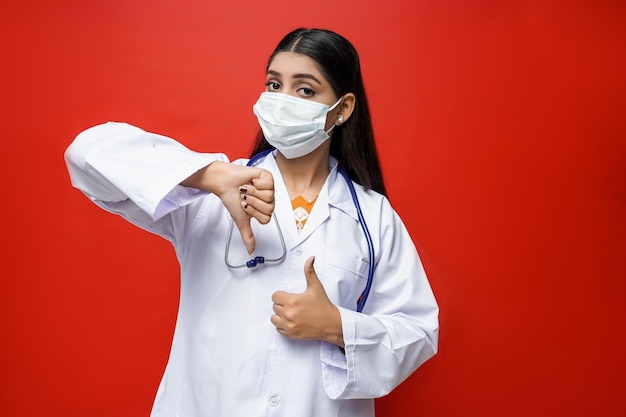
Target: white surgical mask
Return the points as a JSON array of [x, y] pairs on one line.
[[294, 126]]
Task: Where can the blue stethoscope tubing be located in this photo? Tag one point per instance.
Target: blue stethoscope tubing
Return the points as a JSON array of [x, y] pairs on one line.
[[370, 245]]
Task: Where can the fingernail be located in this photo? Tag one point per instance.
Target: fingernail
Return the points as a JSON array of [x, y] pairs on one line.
[[244, 196], [244, 204], [243, 189]]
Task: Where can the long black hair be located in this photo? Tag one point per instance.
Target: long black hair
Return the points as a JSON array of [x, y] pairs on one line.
[[352, 142]]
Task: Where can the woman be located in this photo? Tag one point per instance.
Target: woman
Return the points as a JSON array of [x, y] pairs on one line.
[[302, 333]]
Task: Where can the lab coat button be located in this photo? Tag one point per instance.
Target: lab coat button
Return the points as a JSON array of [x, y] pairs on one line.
[[298, 251], [274, 400]]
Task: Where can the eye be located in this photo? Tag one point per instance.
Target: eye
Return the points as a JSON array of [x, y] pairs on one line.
[[272, 86], [306, 92]]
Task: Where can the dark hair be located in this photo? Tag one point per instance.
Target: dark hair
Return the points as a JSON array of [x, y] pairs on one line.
[[352, 142]]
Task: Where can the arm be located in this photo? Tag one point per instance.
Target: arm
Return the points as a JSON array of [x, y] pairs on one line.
[[144, 176], [398, 329], [116, 162]]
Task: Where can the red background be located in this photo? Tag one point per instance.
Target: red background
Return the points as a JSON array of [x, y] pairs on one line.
[[501, 127]]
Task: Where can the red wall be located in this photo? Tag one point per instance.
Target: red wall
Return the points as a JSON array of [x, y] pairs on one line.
[[502, 133]]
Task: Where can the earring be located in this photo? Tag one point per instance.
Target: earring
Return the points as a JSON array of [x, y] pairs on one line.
[[340, 119]]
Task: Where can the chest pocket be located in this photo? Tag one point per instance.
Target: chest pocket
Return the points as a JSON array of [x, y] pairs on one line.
[[344, 276]]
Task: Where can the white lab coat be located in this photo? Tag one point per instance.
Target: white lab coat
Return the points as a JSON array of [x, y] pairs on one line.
[[227, 359]]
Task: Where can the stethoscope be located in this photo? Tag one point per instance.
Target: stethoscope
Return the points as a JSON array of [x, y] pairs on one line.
[[262, 260]]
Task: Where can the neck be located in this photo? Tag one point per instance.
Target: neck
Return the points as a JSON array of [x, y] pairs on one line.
[[305, 176]]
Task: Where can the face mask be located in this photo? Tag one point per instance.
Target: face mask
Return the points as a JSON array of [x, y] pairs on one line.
[[292, 125]]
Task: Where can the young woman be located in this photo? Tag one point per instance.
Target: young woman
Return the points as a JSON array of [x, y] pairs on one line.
[[315, 302]]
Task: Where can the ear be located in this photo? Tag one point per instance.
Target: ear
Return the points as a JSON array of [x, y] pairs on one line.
[[346, 107]]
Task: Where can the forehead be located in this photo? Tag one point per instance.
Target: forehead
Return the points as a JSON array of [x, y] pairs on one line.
[[291, 63]]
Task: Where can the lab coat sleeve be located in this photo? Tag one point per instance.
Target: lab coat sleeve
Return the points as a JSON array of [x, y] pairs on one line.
[[398, 328], [134, 173]]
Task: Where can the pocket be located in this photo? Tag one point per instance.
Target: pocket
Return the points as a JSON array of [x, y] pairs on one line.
[[344, 278]]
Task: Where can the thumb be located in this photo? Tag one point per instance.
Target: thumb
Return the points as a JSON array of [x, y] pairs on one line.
[[246, 234], [312, 281]]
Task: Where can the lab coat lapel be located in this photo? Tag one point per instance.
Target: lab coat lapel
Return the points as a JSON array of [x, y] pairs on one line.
[[318, 215], [339, 195], [284, 212]]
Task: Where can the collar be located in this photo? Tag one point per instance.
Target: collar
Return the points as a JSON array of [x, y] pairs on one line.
[[334, 193]]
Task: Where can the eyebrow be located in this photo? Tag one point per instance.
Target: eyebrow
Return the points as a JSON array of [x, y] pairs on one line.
[[299, 75]]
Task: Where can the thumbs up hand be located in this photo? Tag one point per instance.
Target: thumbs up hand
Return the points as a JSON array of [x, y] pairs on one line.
[[309, 315]]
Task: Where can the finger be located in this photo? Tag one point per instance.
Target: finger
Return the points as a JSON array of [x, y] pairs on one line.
[[253, 212], [279, 297], [263, 207], [262, 201], [246, 234], [277, 322], [264, 180], [309, 272], [278, 309], [266, 196]]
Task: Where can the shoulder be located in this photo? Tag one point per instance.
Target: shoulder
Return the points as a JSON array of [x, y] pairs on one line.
[[378, 210], [371, 199]]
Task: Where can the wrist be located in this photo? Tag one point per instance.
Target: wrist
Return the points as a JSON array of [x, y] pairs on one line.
[[335, 335], [203, 179]]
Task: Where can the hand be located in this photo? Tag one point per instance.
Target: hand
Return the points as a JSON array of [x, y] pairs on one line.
[[246, 192], [309, 315]]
